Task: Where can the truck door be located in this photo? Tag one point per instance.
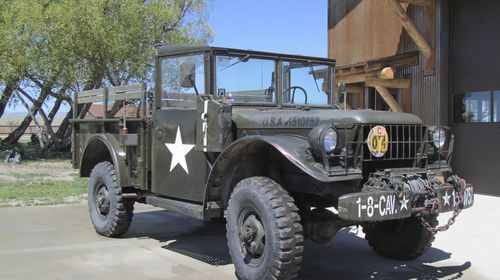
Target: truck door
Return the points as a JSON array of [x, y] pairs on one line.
[[179, 170]]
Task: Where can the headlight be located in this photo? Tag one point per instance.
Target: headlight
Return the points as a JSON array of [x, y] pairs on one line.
[[438, 137], [323, 139], [330, 140]]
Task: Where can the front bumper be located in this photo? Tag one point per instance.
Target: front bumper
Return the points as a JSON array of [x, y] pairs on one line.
[[399, 194]]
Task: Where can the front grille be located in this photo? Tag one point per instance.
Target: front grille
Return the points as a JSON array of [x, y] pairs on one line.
[[406, 142]]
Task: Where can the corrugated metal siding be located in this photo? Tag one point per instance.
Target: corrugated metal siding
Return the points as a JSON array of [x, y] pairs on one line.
[[426, 90]]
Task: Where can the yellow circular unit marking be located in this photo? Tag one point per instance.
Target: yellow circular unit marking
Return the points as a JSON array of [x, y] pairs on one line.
[[378, 141]]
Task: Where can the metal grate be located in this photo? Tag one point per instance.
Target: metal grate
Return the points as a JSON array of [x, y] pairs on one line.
[[409, 145], [406, 142]]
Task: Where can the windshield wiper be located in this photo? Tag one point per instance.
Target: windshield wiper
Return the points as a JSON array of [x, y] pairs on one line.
[[241, 59], [314, 76]]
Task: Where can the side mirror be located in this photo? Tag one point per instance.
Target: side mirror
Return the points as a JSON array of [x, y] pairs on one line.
[[187, 74]]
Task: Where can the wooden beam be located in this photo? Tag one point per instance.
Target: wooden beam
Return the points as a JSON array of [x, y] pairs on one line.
[[355, 89], [399, 60], [388, 83], [352, 79], [430, 35], [389, 99], [412, 30], [386, 73], [358, 74], [417, 2]]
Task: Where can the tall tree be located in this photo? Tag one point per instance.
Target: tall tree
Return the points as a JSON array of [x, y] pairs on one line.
[[73, 45]]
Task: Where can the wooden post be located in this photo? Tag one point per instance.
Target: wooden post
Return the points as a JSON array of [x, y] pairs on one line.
[[75, 106], [144, 100], [412, 30], [388, 98], [105, 104], [406, 98]]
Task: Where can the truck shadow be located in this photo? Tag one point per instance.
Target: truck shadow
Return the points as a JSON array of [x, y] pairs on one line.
[[346, 256]]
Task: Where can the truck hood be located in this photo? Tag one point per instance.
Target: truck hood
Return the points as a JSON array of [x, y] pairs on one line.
[[293, 118]]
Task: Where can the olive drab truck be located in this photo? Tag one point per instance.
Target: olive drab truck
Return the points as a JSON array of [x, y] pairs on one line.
[[260, 139]]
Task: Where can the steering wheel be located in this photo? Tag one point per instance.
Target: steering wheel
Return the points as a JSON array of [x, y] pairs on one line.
[[293, 89]]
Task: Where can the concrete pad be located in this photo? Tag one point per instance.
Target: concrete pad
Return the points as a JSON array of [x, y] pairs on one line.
[[58, 242]]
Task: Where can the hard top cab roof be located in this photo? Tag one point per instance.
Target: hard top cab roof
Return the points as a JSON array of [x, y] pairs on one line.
[[169, 50]]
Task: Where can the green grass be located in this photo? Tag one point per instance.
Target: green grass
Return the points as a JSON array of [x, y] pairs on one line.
[[37, 183], [40, 193]]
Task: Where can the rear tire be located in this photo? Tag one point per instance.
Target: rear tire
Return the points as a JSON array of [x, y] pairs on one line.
[[404, 239], [264, 233], [110, 213]]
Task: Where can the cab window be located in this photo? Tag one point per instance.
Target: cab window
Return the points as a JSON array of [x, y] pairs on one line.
[[177, 88], [306, 83], [242, 79]]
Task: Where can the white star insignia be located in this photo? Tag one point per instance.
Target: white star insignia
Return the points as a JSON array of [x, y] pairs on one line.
[[404, 203], [446, 198], [179, 152]]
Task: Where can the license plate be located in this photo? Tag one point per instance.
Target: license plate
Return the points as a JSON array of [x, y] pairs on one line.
[[375, 206], [448, 197]]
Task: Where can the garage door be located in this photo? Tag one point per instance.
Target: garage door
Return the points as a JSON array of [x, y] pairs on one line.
[[475, 91]]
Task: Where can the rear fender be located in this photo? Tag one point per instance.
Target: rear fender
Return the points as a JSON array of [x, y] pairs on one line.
[[105, 147]]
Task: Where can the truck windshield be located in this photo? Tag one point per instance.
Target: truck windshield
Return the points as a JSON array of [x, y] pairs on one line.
[[245, 79], [306, 83]]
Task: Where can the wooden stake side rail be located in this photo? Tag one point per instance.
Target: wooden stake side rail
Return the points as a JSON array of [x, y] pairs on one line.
[[105, 95], [113, 94]]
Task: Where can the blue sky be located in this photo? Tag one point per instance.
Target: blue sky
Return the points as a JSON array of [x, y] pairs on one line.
[[285, 26], [288, 26]]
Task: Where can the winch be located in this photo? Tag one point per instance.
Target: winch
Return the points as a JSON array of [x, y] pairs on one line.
[[401, 193]]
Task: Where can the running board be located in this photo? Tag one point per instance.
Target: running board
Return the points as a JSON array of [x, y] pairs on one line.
[[185, 208]]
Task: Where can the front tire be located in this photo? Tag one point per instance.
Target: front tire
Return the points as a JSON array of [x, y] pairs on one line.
[[263, 231], [404, 239], [111, 214]]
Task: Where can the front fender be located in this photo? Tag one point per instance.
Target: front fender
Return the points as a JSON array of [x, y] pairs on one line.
[[116, 154], [293, 148]]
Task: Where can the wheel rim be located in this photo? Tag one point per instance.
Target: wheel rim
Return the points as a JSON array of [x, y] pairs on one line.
[[252, 235], [101, 200]]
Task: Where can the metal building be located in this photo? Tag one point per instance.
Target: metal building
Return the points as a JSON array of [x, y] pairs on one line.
[[438, 59]]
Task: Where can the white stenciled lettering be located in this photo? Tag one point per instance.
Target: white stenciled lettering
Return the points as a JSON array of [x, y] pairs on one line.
[[359, 206], [385, 205], [469, 196], [381, 209], [391, 201], [369, 208]]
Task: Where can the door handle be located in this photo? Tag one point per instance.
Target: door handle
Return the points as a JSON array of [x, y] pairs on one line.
[[159, 134]]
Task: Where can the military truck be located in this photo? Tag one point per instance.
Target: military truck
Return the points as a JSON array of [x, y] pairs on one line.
[[261, 140]]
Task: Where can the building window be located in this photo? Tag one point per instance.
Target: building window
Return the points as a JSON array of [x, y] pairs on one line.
[[496, 106], [477, 107]]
